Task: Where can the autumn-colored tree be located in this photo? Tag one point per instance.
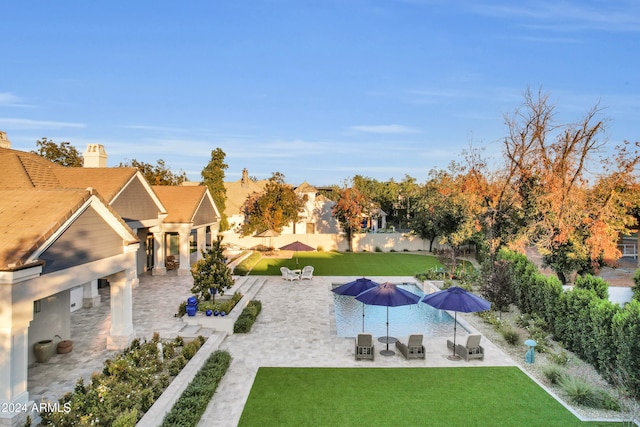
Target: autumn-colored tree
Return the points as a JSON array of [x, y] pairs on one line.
[[577, 226], [159, 174], [277, 206], [349, 210], [213, 177], [502, 202], [63, 154]]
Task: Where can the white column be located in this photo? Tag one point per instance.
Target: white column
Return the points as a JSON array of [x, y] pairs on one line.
[[201, 242], [159, 268], [14, 338], [122, 331], [185, 256], [91, 296]]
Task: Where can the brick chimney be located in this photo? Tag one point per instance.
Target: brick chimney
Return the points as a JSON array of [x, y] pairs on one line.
[[4, 141], [95, 156], [244, 182]]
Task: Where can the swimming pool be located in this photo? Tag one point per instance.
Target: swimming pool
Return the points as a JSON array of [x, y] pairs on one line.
[[412, 319]]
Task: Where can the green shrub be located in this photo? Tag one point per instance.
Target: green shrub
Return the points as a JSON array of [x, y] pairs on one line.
[[128, 419], [119, 395], [554, 373], [636, 286], [540, 336], [490, 318], [176, 365], [247, 317], [510, 335], [607, 401], [182, 309], [561, 359], [190, 406], [168, 350], [378, 249], [579, 391], [189, 350], [596, 284]]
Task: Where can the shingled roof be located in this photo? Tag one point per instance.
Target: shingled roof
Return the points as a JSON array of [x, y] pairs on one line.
[[31, 216], [28, 170], [181, 202], [237, 192]]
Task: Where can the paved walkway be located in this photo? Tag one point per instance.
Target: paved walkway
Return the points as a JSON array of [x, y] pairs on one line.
[[295, 329]]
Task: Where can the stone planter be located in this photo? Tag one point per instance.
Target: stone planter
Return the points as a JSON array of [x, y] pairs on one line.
[[44, 350]]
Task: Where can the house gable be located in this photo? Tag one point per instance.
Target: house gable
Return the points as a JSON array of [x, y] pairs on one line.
[[89, 238], [206, 213], [135, 203]]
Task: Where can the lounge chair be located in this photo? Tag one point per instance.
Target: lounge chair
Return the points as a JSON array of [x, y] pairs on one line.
[[413, 349], [364, 347], [289, 274], [471, 349], [307, 272]]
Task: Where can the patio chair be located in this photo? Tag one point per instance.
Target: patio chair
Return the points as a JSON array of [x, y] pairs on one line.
[[413, 349], [471, 349], [307, 272], [288, 274], [364, 347]]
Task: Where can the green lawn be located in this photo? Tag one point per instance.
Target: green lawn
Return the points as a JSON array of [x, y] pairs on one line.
[[488, 396], [351, 264]]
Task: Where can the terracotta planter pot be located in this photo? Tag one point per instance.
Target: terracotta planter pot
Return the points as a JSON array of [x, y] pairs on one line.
[[65, 346]]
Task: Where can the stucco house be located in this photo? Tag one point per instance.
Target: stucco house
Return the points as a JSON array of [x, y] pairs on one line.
[[65, 230], [315, 219], [53, 240]]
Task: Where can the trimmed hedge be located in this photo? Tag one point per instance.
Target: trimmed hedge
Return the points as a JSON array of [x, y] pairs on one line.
[[600, 332], [247, 317], [188, 409]]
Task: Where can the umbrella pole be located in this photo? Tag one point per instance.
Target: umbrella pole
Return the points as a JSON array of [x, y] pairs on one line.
[[387, 328], [387, 352], [454, 356], [362, 317]]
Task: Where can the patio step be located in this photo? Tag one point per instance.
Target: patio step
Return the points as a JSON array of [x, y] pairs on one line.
[[190, 332]]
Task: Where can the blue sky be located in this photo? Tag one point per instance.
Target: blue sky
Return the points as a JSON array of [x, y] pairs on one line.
[[317, 90]]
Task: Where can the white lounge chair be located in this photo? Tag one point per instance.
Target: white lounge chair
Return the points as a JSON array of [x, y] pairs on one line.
[[289, 274], [307, 272]]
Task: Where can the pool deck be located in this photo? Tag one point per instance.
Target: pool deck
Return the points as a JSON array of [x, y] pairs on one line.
[[296, 328]]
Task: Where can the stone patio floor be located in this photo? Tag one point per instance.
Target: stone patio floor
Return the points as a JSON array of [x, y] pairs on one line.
[[295, 329]]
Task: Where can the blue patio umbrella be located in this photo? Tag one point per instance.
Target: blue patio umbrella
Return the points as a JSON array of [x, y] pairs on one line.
[[456, 299], [354, 288], [389, 295]]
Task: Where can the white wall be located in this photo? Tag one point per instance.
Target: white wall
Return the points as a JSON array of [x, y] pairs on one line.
[[53, 319], [329, 242]]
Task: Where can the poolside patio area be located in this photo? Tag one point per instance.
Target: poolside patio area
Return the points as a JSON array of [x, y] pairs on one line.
[[295, 329]]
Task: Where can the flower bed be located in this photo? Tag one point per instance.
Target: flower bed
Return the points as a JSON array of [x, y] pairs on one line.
[[127, 386]]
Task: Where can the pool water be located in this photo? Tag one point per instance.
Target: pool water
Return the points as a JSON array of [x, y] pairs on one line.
[[420, 318]]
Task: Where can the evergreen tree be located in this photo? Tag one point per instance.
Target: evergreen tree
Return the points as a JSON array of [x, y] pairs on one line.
[[211, 272], [213, 178]]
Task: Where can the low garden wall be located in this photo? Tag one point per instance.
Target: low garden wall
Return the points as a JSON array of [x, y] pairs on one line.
[[362, 242], [225, 323]]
